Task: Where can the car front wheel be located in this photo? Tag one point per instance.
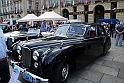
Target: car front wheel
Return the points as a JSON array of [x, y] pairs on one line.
[[62, 72]]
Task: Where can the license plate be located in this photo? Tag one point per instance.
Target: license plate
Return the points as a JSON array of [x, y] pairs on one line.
[[28, 77]]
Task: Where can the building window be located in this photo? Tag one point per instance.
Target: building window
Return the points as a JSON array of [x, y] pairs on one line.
[[113, 7]]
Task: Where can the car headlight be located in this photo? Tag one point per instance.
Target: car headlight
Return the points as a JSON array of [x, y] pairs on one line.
[[19, 57], [12, 39], [35, 55], [36, 65], [19, 49]]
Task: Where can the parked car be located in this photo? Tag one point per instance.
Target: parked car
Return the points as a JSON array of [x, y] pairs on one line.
[[3, 26], [52, 58], [14, 36]]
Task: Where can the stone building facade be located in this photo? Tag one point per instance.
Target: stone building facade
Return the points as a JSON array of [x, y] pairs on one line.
[[85, 10], [17, 9], [88, 10]]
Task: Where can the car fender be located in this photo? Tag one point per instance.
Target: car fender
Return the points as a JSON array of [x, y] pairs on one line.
[[57, 55]]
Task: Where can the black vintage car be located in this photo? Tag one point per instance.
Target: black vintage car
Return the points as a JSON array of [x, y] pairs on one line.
[[50, 59], [3, 26], [24, 34]]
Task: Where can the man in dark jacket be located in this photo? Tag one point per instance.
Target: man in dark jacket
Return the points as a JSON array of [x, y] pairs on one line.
[[112, 28]]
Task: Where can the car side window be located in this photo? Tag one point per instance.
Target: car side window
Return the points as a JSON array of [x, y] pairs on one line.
[[76, 30], [91, 32], [100, 31]]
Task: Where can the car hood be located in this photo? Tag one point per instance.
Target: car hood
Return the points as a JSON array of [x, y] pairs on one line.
[[49, 42], [17, 34]]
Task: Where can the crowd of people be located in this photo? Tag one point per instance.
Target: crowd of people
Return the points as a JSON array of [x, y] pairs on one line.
[[45, 26], [115, 31]]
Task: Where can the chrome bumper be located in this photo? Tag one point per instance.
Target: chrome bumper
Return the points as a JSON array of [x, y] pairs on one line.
[[38, 79]]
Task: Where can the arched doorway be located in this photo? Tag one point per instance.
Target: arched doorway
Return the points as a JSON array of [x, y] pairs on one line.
[[65, 13], [98, 13]]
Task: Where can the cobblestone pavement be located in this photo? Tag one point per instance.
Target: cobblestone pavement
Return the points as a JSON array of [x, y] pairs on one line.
[[104, 69]]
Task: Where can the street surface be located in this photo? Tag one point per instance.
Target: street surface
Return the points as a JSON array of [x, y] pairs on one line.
[[103, 69]]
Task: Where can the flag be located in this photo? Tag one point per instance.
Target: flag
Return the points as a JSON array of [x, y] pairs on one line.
[[85, 2], [43, 7], [63, 4], [47, 6], [54, 4], [73, 2]]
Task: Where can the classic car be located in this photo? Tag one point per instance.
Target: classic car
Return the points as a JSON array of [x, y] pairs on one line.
[[14, 36], [3, 26], [51, 58]]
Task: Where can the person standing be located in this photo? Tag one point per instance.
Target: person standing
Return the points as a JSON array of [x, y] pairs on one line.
[[116, 25], [112, 28], [119, 35], [43, 26], [4, 67]]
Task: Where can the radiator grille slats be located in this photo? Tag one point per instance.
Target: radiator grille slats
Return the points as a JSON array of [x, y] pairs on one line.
[[26, 57], [9, 42]]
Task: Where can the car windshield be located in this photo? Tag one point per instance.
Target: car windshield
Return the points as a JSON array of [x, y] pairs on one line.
[[33, 30], [61, 31], [76, 31], [30, 30], [70, 31]]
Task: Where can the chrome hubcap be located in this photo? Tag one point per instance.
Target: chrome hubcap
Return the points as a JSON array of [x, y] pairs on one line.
[[65, 72]]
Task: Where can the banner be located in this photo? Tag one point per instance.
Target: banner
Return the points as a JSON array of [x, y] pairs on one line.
[[15, 75]]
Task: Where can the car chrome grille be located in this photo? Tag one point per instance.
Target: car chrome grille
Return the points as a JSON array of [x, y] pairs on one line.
[[9, 42], [26, 57]]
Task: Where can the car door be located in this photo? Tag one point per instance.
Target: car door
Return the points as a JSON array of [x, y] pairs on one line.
[[91, 41], [101, 34], [78, 51]]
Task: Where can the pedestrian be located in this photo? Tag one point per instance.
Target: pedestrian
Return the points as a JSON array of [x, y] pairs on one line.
[[111, 29], [119, 35], [106, 27], [17, 27], [4, 67], [8, 28], [48, 26], [116, 25], [43, 26]]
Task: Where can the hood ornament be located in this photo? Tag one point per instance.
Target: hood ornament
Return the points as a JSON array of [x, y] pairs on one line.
[[27, 38], [61, 45]]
